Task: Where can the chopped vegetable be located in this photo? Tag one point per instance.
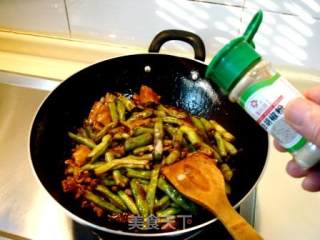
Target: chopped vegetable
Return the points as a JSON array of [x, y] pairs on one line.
[[168, 212], [121, 109], [115, 164], [134, 173], [129, 202], [116, 200], [152, 187], [221, 144], [192, 135], [86, 141], [139, 196], [138, 141], [176, 196], [101, 148], [162, 202], [158, 139], [100, 202], [120, 163]]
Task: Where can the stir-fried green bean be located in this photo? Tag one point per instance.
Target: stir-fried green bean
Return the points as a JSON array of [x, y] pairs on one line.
[[142, 130], [230, 148], [226, 171], [168, 212], [134, 173], [109, 156], [138, 115], [206, 149], [128, 103], [158, 139], [143, 149], [152, 187], [172, 120], [121, 109], [176, 196], [129, 202], [115, 199], [139, 196], [100, 202], [171, 130], [220, 144], [120, 135], [172, 157], [120, 163], [119, 179], [192, 135], [91, 166], [172, 112], [177, 139], [225, 134], [138, 141], [86, 141], [105, 130], [101, 148], [113, 111], [108, 182], [162, 201], [89, 132], [197, 123], [115, 164], [206, 124], [147, 156]]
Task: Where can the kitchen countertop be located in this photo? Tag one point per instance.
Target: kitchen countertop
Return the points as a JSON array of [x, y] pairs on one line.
[[16, 104], [283, 209]]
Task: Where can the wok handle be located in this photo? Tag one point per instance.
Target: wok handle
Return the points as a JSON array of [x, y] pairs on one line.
[[167, 35]]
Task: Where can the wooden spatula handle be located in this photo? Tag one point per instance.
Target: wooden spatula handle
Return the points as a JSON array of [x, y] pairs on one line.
[[235, 224], [198, 178]]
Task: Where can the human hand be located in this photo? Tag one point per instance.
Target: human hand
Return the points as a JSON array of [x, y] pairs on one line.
[[303, 115]]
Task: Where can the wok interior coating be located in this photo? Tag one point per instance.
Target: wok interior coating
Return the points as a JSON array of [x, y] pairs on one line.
[[67, 106]]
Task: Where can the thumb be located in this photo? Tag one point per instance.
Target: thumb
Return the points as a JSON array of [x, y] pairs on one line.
[[304, 116]]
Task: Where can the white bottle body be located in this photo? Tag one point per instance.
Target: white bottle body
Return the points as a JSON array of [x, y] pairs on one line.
[[263, 94]]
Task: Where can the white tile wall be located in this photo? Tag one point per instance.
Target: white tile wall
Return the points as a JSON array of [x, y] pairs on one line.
[[270, 5], [225, 2], [303, 8], [137, 22], [289, 35], [40, 16], [287, 39]]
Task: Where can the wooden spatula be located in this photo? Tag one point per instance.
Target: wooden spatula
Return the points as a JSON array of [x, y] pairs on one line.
[[198, 178]]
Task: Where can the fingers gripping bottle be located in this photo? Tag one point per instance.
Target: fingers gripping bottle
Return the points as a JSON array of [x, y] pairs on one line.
[[262, 92]]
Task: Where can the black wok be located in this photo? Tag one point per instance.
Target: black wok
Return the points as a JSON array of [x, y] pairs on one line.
[[177, 80]]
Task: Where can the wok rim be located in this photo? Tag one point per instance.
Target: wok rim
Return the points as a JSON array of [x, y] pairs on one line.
[[86, 223]]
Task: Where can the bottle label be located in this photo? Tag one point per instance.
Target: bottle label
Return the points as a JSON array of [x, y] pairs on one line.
[[265, 102]]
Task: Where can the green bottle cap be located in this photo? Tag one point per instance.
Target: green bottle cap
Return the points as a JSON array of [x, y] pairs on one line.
[[235, 58]]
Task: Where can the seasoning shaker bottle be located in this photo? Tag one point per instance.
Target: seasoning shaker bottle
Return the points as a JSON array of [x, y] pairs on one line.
[[262, 92]]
